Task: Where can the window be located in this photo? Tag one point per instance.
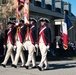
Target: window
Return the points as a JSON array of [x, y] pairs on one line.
[[43, 3], [32, 1], [38, 3], [3, 1]]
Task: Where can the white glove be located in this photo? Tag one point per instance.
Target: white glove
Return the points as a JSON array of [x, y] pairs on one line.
[[4, 46], [36, 45], [14, 48], [47, 47], [17, 24]]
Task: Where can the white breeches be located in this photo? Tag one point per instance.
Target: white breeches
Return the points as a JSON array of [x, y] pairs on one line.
[[20, 53], [9, 53], [43, 51], [31, 48]]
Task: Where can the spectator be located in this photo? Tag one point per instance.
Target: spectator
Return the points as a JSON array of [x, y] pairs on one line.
[[61, 50], [53, 47]]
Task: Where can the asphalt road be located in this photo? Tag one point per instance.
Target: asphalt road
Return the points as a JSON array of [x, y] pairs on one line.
[[56, 68]]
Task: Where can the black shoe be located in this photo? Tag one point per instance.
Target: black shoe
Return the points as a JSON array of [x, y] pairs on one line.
[[14, 66], [34, 67], [47, 69], [3, 65], [22, 66], [27, 67], [40, 69]]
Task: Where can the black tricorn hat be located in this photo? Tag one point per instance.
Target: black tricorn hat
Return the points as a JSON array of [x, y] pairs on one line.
[[44, 20], [22, 21], [9, 23], [33, 19]]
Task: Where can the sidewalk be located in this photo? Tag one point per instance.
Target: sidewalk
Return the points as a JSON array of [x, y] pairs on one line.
[[56, 68]]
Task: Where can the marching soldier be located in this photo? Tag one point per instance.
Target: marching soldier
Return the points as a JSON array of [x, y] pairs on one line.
[[19, 37], [29, 44], [9, 41], [44, 42]]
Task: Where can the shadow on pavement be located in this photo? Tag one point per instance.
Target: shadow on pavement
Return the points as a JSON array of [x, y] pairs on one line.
[[61, 66]]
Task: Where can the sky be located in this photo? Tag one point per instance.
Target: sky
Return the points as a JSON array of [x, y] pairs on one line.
[[73, 6]]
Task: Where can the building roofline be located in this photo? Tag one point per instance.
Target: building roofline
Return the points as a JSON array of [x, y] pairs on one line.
[[48, 12]]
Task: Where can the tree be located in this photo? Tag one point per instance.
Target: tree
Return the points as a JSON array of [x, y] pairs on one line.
[[6, 11]]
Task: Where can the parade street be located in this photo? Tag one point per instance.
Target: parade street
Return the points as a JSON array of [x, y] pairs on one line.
[[56, 68]]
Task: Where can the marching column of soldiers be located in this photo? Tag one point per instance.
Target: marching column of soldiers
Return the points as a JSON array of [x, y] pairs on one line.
[[29, 37]]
